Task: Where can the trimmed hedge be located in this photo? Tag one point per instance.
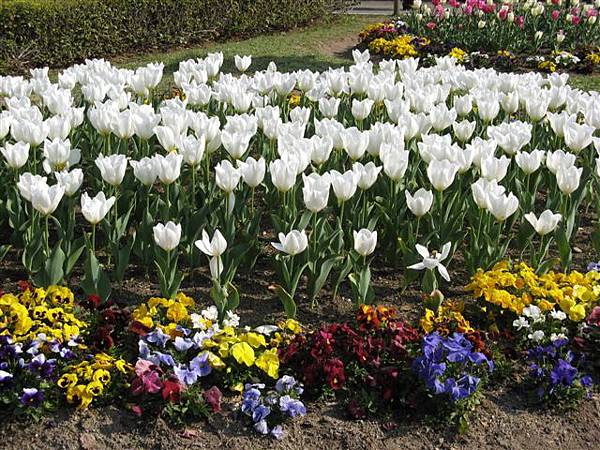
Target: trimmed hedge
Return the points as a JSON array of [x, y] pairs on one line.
[[57, 33]]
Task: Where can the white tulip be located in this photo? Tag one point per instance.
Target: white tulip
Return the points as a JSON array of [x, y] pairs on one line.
[[253, 171], [192, 149], [530, 162], [355, 142], [361, 109], [419, 203], [494, 168], [315, 191], [441, 174], [70, 181], [95, 209], [16, 155], [568, 179], [227, 177], [482, 189], [242, 63], [433, 260], [366, 174], [365, 241], [168, 168], [547, 222], [293, 243], [502, 206], [215, 247], [167, 236], [559, 159], [45, 199], [112, 168], [145, 170], [463, 130], [27, 183], [344, 185]]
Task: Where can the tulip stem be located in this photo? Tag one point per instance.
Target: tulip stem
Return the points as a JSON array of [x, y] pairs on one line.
[[168, 201], [46, 237], [94, 238]]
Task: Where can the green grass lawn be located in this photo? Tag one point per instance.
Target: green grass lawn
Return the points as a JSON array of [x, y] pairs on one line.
[[317, 47], [312, 47]]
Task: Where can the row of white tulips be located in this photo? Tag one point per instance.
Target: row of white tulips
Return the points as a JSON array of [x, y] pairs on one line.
[[474, 161]]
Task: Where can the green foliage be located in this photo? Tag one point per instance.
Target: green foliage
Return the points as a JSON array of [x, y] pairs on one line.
[[56, 33]]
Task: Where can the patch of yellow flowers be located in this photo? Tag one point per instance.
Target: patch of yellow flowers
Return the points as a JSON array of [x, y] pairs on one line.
[[514, 286], [90, 379], [447, 319], [40, 311], [399, 47], [458, 53]]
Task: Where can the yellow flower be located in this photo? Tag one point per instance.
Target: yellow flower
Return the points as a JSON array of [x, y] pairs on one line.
[[427, 321], [292, 325], [102, 376], [577, 313], [79, 394], [177, 312], [458, 54], [255, 340], [68, 380], [243, 353], [95, 388], [269, 362], [123, 366], [215, 362]]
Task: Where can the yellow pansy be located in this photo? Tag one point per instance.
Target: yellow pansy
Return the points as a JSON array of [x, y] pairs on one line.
[[243, 353], [67, 380], [177, 313], [215, 362], [255, 340], [268, 362]]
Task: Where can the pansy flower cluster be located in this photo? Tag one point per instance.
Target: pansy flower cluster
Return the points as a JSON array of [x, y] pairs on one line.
[[450, 366], [268, 410], [355, 360], [555, 374], [447, 319], [39, 336], [28, 371], [40, 311], [97, 375], [512, 287], [191, 345]]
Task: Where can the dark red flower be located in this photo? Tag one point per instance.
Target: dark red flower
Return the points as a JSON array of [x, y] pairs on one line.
[[24, 285], [171, 390], [95, 301], [139, 328], [213, 397], [334, 372]]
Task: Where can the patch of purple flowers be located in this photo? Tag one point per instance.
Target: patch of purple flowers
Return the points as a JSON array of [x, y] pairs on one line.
[[27, 366], [553, 368], [450, 366], [274, 406]]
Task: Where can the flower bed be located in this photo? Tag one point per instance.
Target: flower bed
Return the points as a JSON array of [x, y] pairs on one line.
[[445, 174], [522, 35]]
